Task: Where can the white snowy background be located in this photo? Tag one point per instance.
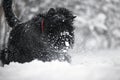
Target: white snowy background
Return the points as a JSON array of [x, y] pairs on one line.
[[96, 53]]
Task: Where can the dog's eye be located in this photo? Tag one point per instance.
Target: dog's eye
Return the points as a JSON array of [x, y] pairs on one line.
[[59, 17]]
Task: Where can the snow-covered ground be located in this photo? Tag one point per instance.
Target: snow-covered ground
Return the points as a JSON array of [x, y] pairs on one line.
[[96, 65]]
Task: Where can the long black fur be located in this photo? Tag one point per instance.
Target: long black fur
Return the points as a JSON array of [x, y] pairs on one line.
[[27, 41]]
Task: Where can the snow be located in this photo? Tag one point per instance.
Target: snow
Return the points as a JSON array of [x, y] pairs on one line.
[[96, 65]]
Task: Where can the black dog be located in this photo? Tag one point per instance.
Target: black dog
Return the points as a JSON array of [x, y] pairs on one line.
[[46, 37]]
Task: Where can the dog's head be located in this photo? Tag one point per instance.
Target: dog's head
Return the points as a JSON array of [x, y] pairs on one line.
[[59, 30]]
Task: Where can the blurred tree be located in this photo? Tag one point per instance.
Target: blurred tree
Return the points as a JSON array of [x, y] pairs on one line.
[[87, 12]]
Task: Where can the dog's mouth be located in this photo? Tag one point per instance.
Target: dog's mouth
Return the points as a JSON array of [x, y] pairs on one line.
[[61, 42]]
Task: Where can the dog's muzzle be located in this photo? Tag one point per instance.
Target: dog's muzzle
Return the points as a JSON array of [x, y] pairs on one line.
[[65, 41]]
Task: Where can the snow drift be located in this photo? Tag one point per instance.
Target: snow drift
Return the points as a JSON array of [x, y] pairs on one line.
[[97, 65]]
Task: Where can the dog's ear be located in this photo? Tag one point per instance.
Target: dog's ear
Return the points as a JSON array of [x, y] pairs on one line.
[[51, 11], [73, 17]]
